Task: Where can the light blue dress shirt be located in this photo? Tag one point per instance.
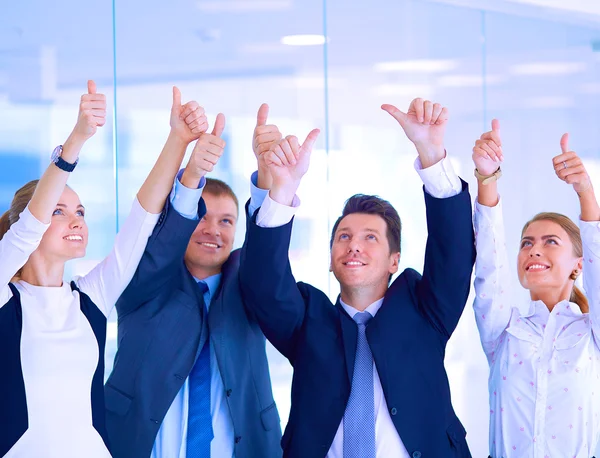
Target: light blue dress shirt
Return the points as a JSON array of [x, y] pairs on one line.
[[171, 438]]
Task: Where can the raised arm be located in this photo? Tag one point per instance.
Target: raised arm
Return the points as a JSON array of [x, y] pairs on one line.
[[269, 288], [449, 253], [164, 253], [105, 283], [570, 169], [25, 233], [492, 273]]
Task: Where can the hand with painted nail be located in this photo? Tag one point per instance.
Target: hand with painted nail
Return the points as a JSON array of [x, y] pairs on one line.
[[570, 169], [188, 121], [207, 152], [288, 162], [425, 125], [487, 152]]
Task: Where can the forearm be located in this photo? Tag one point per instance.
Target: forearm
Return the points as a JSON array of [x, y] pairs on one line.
[[157, 186], [590, 211], [430, 154], [487, 194], [52, 183], [265, 181]]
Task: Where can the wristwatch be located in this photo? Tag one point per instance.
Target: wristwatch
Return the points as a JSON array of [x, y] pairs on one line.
[[60, 162], [487, 179]]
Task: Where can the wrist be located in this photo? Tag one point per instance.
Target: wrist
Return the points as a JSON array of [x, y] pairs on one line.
[[177, 140], [264, 179], [430, 153], [72, 146], [190, 179], [283, 194]]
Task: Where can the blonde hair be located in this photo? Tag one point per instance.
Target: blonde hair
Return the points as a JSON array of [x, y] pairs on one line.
[[572, 231]]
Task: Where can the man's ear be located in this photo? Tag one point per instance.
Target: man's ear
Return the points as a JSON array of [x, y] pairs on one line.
[[394, 263]]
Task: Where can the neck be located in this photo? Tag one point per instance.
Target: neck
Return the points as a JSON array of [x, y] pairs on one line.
[[552, 296], [202, 272], [360, 297], [42, 272]]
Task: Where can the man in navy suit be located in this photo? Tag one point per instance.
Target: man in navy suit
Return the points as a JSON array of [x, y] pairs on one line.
[[191, 377], [369, 378]]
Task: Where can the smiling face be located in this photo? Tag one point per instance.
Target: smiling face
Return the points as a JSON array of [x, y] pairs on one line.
[[67, 236], [212, 241], [547, 259], [360, 252]]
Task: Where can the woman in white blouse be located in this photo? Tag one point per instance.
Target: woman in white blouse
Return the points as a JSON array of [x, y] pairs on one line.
[[544, 357], [52, 334]]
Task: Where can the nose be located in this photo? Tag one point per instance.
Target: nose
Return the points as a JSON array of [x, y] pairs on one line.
[[354, 247], [534, 252], [76, 223], [211, 228]]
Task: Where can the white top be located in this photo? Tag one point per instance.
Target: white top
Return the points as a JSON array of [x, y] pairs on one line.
[[59, 351], [440, 181], [544, 379]]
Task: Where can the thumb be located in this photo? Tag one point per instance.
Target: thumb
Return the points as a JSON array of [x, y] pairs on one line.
[[398, 115], [311, 138], [176, 97], [496, 125], [564, 143], [219, 125], [263, 113], [91, 87]]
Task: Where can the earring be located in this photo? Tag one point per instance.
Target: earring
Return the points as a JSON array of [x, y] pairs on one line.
[[574, 275]]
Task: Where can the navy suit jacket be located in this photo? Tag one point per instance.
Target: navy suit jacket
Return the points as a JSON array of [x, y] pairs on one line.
[[163, 327], [407, 336]]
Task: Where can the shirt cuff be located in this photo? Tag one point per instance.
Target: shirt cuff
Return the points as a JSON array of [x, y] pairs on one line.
[[274, 214], [185, 200], [257, 195], [440, 179]]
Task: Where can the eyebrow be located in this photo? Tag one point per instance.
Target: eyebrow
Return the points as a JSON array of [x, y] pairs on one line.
[[65, 206], [544, 237], [362, 230]]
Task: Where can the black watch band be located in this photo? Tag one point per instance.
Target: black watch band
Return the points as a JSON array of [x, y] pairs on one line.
[[64, 165]]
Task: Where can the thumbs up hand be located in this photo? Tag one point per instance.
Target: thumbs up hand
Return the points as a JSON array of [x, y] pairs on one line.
[[569, 167], [187, 121], [207, 152], [487, 152], [425, 125], [92, 114], [265, 137]]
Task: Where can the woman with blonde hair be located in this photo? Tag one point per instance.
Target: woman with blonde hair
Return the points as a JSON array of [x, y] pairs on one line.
[[52, 334], [544, 358]]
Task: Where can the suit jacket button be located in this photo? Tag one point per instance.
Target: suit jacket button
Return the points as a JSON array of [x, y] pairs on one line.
[[417, 454], [238, 439], [393, 411], [228, 392]]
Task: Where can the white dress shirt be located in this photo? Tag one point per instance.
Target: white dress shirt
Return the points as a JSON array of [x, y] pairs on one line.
[[544, 383], [440, 181], [171, 440]]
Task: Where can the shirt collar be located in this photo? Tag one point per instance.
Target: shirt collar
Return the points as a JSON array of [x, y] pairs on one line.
[[372, 309], [213, 282]]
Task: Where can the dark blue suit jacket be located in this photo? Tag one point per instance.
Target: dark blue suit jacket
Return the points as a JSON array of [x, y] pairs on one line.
[[407, 336], [163, 327]]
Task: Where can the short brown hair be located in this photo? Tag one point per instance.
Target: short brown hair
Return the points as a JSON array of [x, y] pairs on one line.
[[572, 231], [374, 205], [220, 188]]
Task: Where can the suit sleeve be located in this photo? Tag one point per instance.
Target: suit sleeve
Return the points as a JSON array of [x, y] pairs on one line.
[[162, 258], [268, 285], [449, 259]]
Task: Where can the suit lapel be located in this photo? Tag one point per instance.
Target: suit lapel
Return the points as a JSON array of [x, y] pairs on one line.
[[349, 337]]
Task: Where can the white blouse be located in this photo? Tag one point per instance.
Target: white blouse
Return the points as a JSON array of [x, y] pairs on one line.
[[59, 351], [544, 383]]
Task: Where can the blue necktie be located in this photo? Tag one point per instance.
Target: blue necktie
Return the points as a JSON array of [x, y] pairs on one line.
[[359, 418], [200, 432]]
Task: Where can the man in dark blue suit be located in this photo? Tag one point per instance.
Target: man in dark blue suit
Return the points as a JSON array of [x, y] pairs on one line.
[[191, 377], [369, 378]]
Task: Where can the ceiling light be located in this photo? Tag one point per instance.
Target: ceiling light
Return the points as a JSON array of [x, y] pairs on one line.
[[548, 68], [421, 65], [303, 40], [243, 6], [469, 80]]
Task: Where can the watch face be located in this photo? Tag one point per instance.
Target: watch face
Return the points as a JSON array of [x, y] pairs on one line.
[[56, 153]]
